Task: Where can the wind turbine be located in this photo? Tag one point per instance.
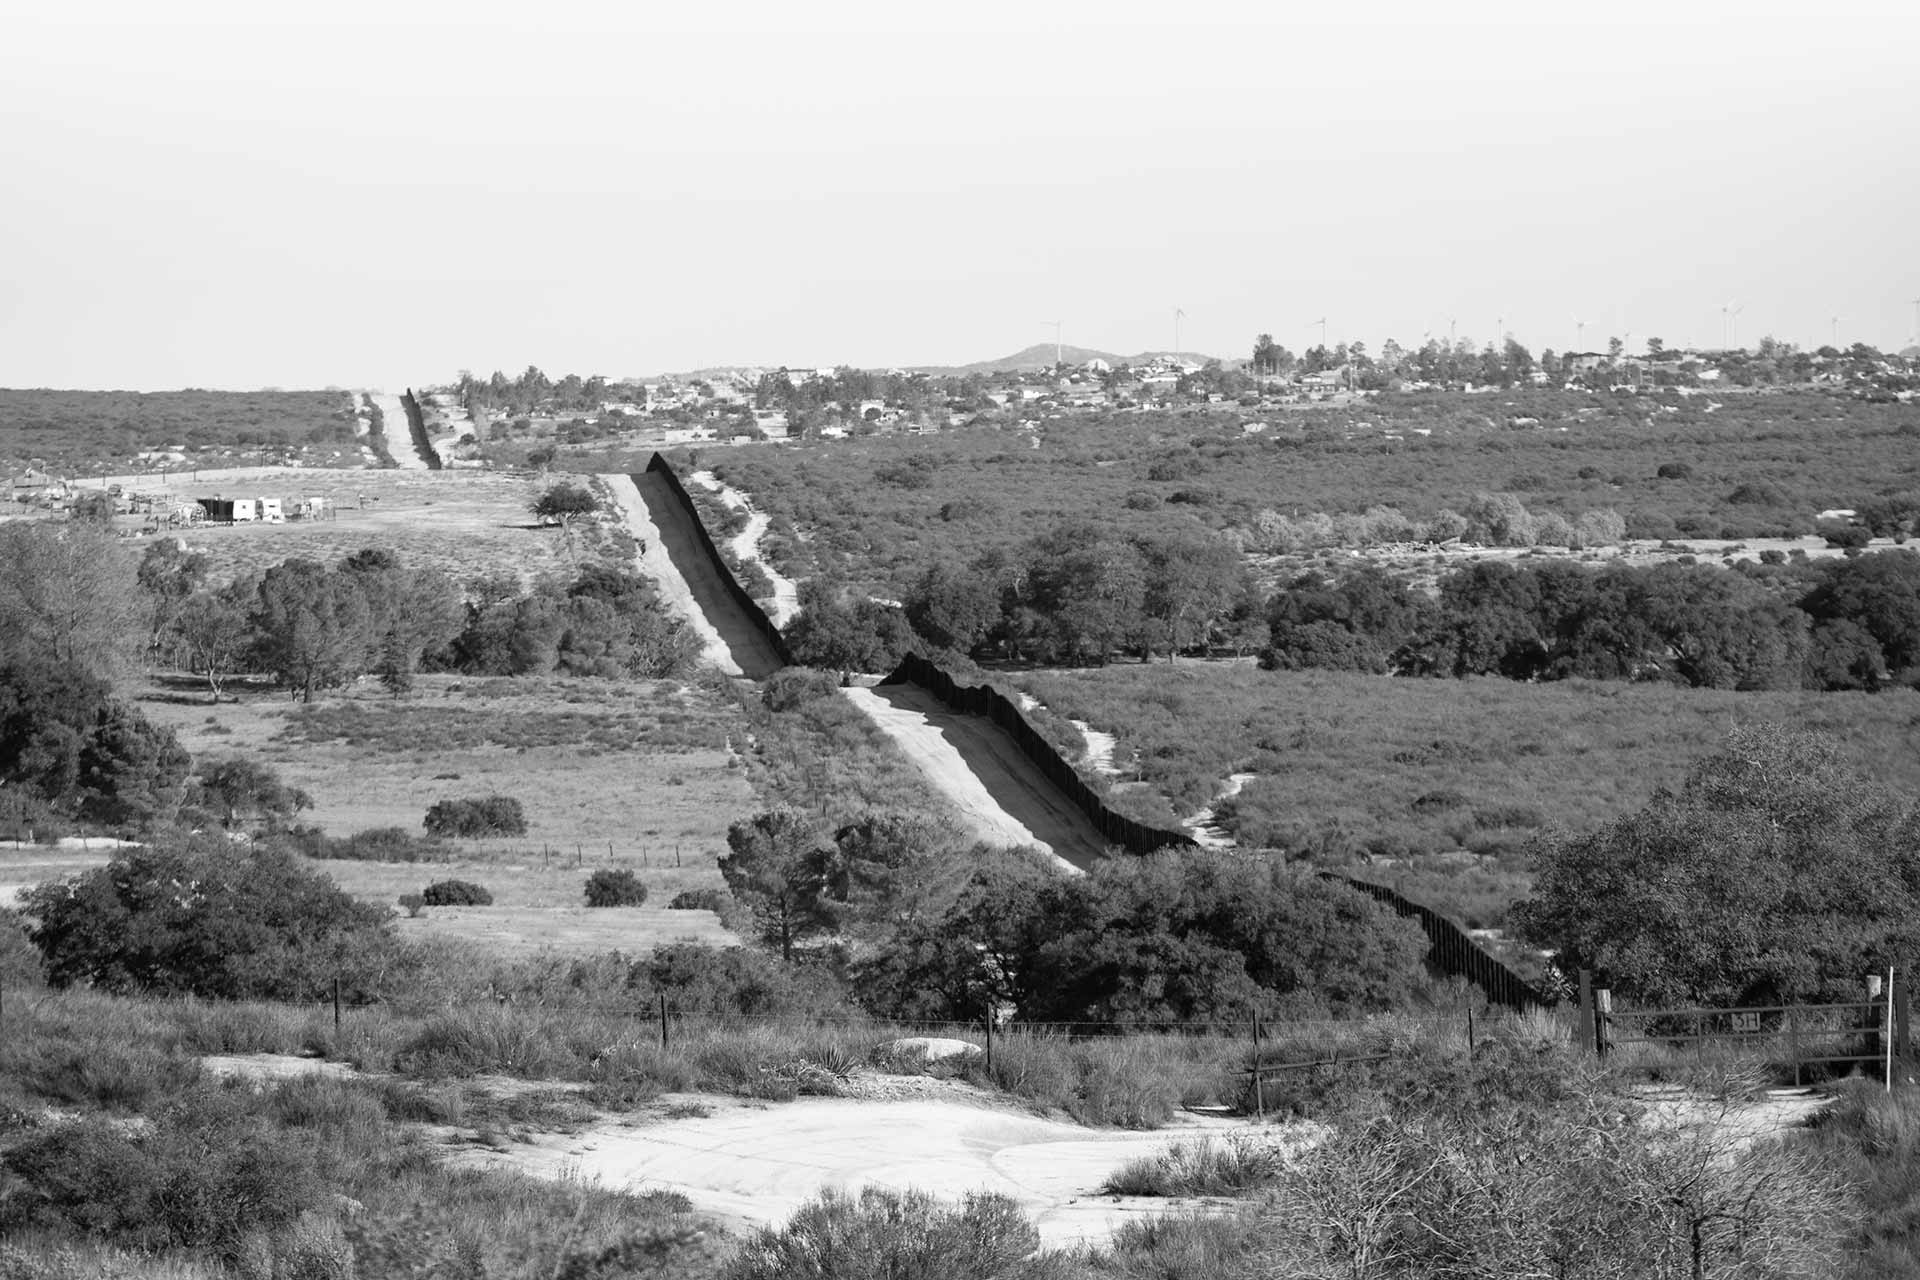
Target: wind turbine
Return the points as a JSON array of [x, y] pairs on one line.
[[1322, 322], [1056, 340], [1579, 333], [1178, 316], [1728, 313], [1836, 333]]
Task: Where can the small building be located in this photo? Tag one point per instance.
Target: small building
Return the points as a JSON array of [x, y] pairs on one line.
[[270, 511]]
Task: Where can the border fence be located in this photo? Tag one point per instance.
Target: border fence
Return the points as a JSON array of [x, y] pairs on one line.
[[756, 616], [417, 431]]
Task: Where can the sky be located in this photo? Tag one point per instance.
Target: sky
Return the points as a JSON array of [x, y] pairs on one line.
[[242, 195]]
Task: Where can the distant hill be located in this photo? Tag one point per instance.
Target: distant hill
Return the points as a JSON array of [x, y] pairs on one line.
[[1041, 356]]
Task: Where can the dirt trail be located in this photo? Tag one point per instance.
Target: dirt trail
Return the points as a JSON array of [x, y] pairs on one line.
[[1204, 826], [394, 429], [1001, 796], [755, 1165], [673, 557]]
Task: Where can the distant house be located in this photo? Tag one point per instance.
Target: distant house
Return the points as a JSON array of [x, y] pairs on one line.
[[35, 485]]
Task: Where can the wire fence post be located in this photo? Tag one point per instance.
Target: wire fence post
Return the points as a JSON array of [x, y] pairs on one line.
[[1602, 1011], [1584, 1022], [989, 1025], [336, 1002], [665, 1038], [1259, 1083]]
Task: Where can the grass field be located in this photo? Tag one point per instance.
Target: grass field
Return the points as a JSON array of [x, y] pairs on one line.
[[634, 775], [1408, 768], [459, 522], [83, 431], [878, 509]]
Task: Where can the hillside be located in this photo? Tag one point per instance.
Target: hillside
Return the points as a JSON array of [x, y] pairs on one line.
[[1041, 355]]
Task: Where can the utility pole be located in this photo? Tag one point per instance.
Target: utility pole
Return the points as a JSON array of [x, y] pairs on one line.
[[1836, 333], [1178, 316]]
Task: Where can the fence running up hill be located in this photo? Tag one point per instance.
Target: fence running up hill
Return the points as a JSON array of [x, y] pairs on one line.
[[755, 615], [1450, 950], [986, 701], [417, 431]]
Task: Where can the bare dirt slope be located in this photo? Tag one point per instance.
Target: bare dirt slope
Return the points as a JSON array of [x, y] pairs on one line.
[[999, 793], [687, 576], [399, 437], [754, 1165]]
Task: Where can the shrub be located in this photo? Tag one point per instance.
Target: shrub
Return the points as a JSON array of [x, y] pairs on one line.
[[797, 686], [456, 893], [209, 1175], [609, 887], [207, 921], [1674, 471], [717, 901], [376, 844], [413, 904], [892, 1235], [476, 817], [1840, 534]]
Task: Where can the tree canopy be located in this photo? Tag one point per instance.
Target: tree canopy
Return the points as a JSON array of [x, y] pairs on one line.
[[1776, 872]]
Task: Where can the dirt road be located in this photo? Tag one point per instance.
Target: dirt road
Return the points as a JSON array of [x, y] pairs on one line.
[[393, 427], [1001, 796], [673, 557], [754, 1165]]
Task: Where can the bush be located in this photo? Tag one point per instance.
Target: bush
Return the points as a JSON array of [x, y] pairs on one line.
[[376, 844], [615, 888], [892, 1235], [456, 893], [208, 921], [797, 686], [210, 1175], [472, 818]]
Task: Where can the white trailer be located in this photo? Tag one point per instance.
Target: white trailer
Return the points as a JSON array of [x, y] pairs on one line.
[[270, 512]]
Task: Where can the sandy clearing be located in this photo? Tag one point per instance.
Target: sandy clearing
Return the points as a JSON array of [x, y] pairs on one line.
[[672, 555], [754, 1165], [1740, 1123], [393, 428], [1001, 797], [746, 546]]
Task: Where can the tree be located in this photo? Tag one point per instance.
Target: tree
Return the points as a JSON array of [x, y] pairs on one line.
[[564, 503], [168, 576], [212, 627], [1180, 937], [207, 920], [64, 739], [1776, 873], [245, 789], [312, 628], [778, 867], [68, 593]]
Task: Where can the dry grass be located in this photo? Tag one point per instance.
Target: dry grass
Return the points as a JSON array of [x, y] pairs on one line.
[[459, 522], [629, 792]]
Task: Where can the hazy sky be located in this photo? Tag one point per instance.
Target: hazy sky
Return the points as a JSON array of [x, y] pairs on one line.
[[217, 194]]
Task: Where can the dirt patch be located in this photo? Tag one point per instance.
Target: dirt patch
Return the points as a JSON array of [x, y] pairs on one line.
[[753, 1165], [1000, 795]]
